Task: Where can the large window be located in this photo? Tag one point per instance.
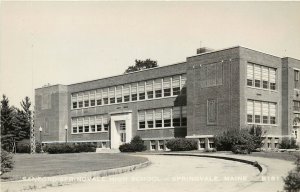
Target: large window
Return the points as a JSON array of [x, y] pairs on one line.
[[212, 111], [74, 101], [158, 88], [167, 86], [162, 118], [99, 123], [296, 106], [176, 85], [149, 89], [142, 122], [112, 97], [86, 125], [80, 125], [126, 93], [133, 92], [211, 75], [259, 112], [105, 123], [74, 125], [261, 76], [119, 94], [91, 124], [141, 90]]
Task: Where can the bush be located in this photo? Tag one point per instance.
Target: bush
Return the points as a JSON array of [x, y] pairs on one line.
[[135, 145], [38, 147], [7, 162], [70, 148], [182, 144], [292, 181], [288, 143], [241, 149], [245, 140], [23, 147]]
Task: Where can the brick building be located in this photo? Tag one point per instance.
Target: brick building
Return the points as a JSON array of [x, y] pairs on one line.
[[210, 93]]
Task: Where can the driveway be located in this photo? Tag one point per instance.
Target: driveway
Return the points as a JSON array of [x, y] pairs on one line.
[[174, 173]]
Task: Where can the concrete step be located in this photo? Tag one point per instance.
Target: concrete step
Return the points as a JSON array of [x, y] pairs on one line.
[[107, 150]]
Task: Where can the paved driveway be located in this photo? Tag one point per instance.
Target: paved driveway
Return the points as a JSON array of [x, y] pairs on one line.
[[174, 173]]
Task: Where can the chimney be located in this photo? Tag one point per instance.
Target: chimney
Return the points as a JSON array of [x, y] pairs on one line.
[[204, 50]]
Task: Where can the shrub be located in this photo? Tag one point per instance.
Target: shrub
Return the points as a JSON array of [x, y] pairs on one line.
[[292, 181], [288, 143], [70, 148], [241, 149], [245, 140], [135, 145], [38, 147], [7, 162], [182, 144], [23, 147]]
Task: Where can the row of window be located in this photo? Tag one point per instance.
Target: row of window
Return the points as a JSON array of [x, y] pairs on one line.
[[90, 124], [261, 112], [296, 106], [161, 145], [261, 76], [162, 118], [157, 88]]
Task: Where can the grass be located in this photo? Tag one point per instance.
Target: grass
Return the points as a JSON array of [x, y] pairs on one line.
[[288, 156], [41, 165]]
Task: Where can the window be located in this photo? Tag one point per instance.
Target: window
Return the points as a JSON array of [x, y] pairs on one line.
[[92, 124], [265, 77], [183, 116], [80, 125], [92, 98], [296, 75], [272, 113], [167, 86], [119, 94], [86, 99], [176, 85], [74, 125], [99, 123], [105, 123], [149, 89], [142, 122], [86, 125], [105, 96], [264, 112], [183, 84], [152, 145], [158, 118], [167, 117], [158, 88], [296, 106], [211, 111], [176, 116], [141, 90], [149, 118], [133, 92], [99, 97], [74, 101], [160, 145], [250, 74], [257, 112], [211, 75], [80, 102], [112, 97], [126, 93], [272, 79], [250, 111], [257, 76]]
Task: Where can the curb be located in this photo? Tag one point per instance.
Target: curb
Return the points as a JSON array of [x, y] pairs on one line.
[[262, 169], [59, 180]]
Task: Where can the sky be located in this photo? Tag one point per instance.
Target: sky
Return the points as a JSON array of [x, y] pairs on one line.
[[70, 42]]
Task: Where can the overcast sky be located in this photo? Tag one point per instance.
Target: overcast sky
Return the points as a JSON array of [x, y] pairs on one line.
[[69, 42]]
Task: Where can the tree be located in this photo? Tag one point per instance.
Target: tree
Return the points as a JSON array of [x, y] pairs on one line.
[[6, 124], [141, 65], [24, 117]]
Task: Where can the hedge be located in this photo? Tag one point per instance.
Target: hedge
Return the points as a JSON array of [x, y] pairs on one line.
[[182, 144]]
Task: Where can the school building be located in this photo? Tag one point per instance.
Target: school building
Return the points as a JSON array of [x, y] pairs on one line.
[[209, 93]]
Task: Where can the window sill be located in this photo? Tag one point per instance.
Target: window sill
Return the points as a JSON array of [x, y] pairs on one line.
[[261, 124], [173, 96], [89, 132], [259, 88], [146, 129]]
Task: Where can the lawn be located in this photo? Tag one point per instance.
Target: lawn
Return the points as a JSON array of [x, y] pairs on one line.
[[41, 165]]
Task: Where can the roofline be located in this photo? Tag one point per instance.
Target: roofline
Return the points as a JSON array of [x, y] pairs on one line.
[[49, 86], [214, 51], [128, 73], [290, 58]]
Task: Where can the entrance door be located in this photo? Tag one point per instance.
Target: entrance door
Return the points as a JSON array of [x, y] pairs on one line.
[[122, 131]]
